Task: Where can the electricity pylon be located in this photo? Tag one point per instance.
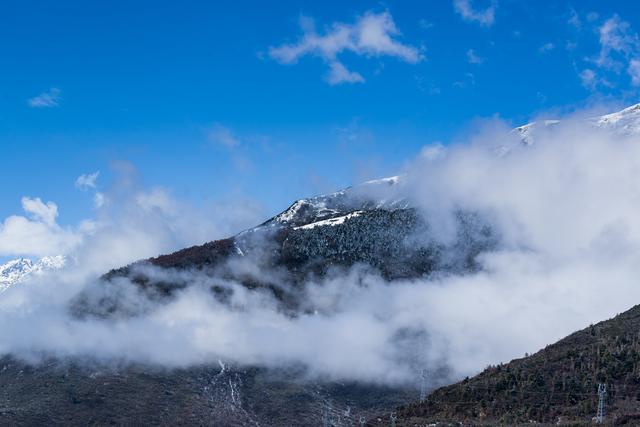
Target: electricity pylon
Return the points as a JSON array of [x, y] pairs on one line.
[[423, 386], [602, 392]]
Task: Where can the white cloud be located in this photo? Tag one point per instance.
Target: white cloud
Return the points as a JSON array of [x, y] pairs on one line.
[[473, 58], [592, 16], [574, 19], [48, 99], [130, 223], [40, 211], [619, 52], [87, 181], [99, 200], [338, 73], [469, 80], [425, 25], [547, 47], [484, 17], [634, 71], [36, 234], [592, 81], [588, 78], [617, 42], [371, 35], [224, 136]]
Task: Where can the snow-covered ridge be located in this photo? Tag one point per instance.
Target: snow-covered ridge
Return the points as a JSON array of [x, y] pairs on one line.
[[374, 194], [20, 269], [625, 122], [526, 131], [334, 208]]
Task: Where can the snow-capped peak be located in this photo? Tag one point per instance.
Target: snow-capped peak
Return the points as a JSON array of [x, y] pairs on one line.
[[526, 131], [377, 193], [383, 193], [20, 269], [623, 123]]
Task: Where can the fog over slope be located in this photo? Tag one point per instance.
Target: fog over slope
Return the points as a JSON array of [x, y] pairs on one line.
[[563, 209]]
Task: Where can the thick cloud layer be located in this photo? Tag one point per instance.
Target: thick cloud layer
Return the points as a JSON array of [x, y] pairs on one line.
[[565, 209]]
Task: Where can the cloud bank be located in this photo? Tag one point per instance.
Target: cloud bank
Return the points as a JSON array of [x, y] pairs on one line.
[[564, 208]]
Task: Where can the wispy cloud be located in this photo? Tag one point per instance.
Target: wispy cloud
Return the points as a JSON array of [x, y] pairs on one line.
[[473, 58], [547, 47], [634, 71], [469, 80], [86, 181], [371, 35], [426, 25], [574, 19], [484, 17], [48, 99], [617, 42], [224, 136], [619, 52], [588, 78]]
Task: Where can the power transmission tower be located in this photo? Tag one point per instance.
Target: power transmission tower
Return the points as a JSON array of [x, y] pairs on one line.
[[393, 419], [363, 420], [423, 386], [602, 392]]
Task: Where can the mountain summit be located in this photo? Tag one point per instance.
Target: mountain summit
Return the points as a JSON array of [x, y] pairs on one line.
[[20, 269]]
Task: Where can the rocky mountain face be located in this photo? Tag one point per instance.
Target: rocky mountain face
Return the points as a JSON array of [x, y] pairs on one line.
[[370, 225], [18, 270]]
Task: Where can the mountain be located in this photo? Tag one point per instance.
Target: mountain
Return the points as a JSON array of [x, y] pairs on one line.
[[20, 269], [556, 386], [625, 122], [370, 225]]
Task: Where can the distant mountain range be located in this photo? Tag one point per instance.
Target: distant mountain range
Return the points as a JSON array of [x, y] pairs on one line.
[[20, 269], [369, 224]]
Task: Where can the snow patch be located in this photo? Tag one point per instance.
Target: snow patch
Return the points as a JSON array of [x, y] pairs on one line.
[[330, 222]]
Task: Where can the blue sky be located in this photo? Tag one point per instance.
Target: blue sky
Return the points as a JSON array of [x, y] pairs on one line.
[[234, 100]]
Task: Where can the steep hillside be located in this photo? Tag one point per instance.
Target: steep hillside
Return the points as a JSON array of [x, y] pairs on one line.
[[85, 392], [557, 385]]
